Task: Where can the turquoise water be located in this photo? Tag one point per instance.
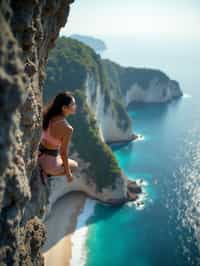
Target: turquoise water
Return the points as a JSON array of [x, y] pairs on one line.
[[166, 231]]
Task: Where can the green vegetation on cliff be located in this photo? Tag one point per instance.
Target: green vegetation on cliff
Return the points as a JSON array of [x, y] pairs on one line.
[[68, 65], [96, 44], [122, 118], [122, 78], [103, 169]]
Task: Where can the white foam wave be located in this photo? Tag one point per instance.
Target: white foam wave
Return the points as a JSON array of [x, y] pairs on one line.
[[186, 95], [139, 138], [78, 239]]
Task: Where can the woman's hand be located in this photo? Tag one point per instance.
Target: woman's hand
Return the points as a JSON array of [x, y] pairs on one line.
[[70, 177]]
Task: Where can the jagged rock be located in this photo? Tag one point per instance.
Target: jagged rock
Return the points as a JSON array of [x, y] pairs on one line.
[[27, 31], [30, 68], [32, 238], [131, 196], [133, 187]]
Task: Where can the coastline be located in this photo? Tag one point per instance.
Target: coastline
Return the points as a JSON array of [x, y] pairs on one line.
[[66, 237], [57, 249], [78, 239]]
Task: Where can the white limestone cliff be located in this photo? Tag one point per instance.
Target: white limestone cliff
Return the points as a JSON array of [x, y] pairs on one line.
[[157, 92], [107, 122]]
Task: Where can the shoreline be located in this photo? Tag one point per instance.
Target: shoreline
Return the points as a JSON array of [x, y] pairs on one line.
[[66, 237], [57, 249], [80, 235]]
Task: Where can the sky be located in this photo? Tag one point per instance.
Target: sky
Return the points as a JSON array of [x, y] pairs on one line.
[[129, 17]]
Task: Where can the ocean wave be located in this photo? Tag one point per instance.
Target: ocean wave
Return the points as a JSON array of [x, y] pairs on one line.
[[139, 138], [187, 95], [78, 239]]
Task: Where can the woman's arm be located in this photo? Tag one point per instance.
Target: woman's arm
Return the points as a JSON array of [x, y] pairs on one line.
[[64, 150]]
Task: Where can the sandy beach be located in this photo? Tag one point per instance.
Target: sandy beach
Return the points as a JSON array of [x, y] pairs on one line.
[[57, 249], [67, 230]]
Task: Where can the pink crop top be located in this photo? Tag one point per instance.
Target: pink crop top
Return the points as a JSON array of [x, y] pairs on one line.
[[46, 135]]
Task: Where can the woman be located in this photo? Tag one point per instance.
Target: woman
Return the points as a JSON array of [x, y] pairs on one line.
[[56, 135]]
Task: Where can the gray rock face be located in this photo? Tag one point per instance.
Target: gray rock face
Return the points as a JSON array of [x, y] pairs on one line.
[[108, 122], [142, 84], [158, 91], [28, 31]]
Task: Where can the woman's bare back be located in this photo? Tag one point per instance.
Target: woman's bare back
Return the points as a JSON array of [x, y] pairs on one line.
[[57, 129]]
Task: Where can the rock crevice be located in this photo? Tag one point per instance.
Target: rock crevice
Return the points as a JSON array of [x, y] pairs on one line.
[[28, 31]]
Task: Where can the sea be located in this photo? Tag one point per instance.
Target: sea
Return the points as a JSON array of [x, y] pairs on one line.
[[164, 229]]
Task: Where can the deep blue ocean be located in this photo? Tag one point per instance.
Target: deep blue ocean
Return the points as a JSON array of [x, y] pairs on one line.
[[166, 231]]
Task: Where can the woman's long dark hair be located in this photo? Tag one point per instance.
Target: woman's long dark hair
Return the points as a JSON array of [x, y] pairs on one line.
[[54, 107]]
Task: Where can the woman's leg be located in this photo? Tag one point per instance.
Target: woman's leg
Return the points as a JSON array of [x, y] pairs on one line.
[[73, 165]]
